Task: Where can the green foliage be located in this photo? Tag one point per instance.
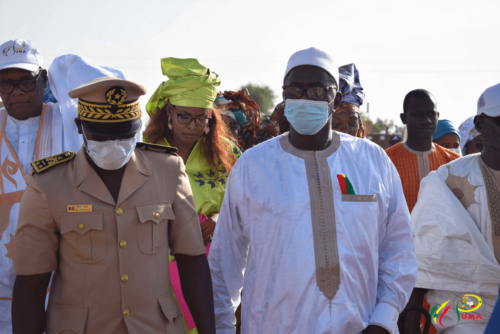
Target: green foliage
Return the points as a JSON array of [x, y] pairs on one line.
[[262, 95], [377, 128], [380, 125], [364, 117]]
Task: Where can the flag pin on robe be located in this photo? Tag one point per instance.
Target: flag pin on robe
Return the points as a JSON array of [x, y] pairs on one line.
[[345, 185]]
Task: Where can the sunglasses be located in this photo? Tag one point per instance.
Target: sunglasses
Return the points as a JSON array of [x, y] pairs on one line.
[[26, 86], [315, 93], [348, 127]]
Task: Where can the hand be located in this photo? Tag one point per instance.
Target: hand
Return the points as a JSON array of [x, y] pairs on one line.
[[372, 329], [196, 284], [414, 331], [208, 228], [412, 323]]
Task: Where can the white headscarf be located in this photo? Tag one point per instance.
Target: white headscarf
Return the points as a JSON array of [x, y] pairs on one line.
[[68, 72], [467, 132]]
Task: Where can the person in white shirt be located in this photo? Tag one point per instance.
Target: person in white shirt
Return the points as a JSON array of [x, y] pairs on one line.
[[314, 225], [456, 228], [30, 130]]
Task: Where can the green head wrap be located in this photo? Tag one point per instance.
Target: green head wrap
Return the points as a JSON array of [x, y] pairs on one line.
[[190, 85]]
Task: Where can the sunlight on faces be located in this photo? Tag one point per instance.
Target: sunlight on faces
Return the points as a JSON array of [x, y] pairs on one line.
[[449, 140], [23, 105], [187, 133], [307, 76], [346, 122], [421, 118]]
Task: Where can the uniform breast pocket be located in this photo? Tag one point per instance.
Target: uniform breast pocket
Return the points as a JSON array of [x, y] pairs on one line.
[[152, 230], [85, 235]]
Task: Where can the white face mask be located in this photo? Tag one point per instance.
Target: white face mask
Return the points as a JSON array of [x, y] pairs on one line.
[[456, 150], [306, 116], [110, 154]]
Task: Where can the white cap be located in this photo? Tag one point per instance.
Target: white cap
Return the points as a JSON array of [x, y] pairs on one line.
[[20, 53], [489, 102], [314, 57]]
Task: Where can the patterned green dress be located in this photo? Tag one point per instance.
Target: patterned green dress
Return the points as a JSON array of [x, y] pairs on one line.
[[208, 187]]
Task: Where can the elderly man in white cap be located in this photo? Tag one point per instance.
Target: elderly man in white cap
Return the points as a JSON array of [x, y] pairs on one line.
[[32, 130], [314, 226], [29, 130], [456, 228]]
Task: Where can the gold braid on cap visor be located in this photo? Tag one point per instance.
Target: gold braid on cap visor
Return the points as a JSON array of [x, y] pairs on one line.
[[112, 112]]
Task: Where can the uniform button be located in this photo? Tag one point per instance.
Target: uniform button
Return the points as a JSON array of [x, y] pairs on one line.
[[156, 215], [123, 244], [126, 312], [119, 211], [124, 277], [81, 226]]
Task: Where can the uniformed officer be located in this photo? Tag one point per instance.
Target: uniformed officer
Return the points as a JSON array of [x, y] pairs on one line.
[[103, 220]]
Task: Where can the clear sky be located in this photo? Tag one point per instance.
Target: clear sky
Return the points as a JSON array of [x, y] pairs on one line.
[[451, 48]]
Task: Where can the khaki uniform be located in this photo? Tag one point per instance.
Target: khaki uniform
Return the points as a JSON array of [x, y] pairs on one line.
[[110, 264]]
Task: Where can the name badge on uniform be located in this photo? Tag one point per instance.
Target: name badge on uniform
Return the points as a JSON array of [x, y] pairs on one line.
[[80, 208]]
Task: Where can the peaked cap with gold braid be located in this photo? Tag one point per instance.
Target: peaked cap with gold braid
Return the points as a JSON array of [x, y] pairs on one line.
[[108, 100]]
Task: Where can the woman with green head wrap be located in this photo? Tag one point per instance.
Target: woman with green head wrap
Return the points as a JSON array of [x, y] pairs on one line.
[[183, 116]]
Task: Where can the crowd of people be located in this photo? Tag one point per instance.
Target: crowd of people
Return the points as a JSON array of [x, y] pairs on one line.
[[219, 219]]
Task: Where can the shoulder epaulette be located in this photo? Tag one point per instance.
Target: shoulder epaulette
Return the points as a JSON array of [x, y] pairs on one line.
[[53, 160], [156, 148]]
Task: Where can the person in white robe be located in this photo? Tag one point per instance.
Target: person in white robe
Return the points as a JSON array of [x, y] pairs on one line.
[[456, 228], [68, 72], [30, 130], [314, 225]]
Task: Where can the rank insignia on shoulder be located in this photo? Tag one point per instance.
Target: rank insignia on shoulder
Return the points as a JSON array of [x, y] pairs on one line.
[[156, 148], [53, 160]]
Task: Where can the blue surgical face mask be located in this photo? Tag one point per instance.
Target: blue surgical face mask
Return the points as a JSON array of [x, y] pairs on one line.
[[306, 116]]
